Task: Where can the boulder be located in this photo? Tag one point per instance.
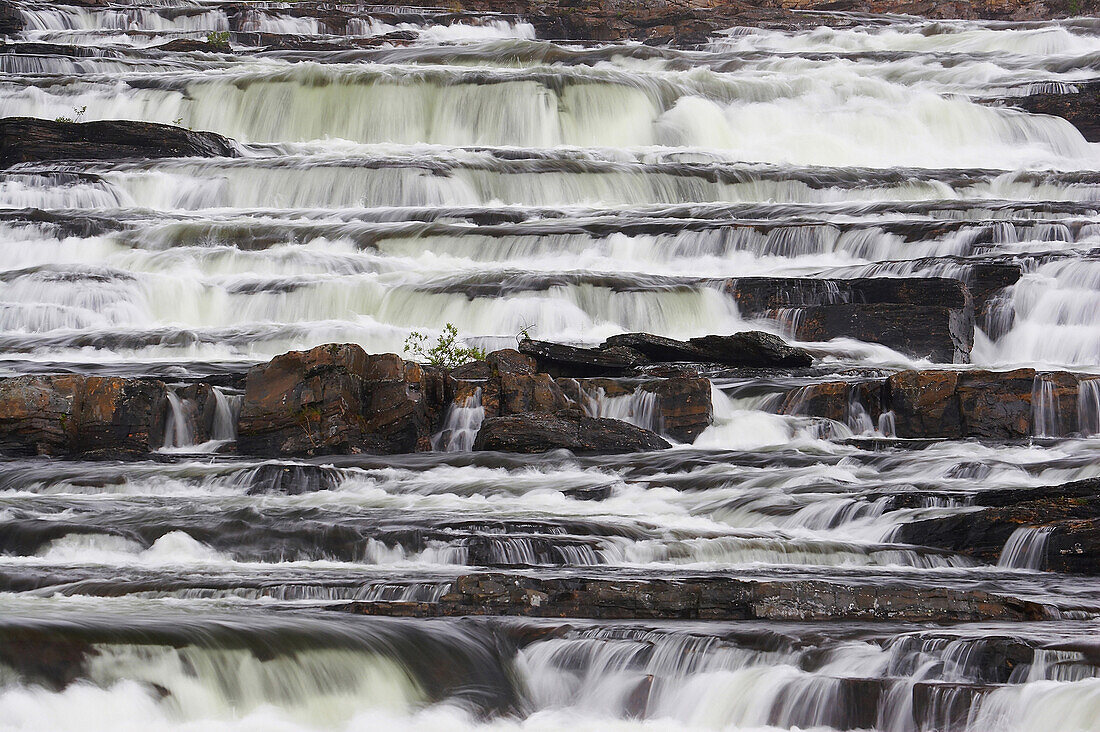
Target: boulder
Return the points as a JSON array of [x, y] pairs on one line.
[[26, 139], [334, 399], [539, 432], [558, 359], [88, 415], [753, 349], [657, 349]]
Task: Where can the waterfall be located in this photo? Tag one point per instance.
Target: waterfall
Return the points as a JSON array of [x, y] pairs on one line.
[[178, 431], [398, 168], [641, 408], [1088, 406], [1045, 409], [460, 425], [1026, 548], [227, 409]]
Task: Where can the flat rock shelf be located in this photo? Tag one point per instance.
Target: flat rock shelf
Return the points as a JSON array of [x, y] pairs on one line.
[[549, 365]]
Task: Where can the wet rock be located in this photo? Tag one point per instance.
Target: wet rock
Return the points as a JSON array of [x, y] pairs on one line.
[[334, 399], [705, 597], [510, 361], [534, 433], [1071, 511], [683, 407], [985, 281], [589, 493], [753, 349], [939, 334], [11, 20], [655, 348], [525, 393], [558, 359], [925, 317], [747, 349], [988, 405], [48, 658], [1078, 105], [59, 415], [25, 139], [291, 479]]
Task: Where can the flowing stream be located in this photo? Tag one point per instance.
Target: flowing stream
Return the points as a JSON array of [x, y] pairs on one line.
[[467, 172]]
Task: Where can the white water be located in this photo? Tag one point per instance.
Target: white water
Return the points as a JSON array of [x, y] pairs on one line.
[[1026, 548], [474, 175]]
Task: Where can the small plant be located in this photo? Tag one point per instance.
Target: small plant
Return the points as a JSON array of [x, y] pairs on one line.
[[524, 334], [219, 40], [446, 353], [78, 115]]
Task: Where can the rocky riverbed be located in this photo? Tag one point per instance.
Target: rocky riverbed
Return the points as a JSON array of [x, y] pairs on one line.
[[766, 392]]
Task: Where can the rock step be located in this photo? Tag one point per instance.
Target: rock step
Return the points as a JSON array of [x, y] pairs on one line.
[[337, 399], [710, 598], [942, 404], [1067, 518], [26, 139]]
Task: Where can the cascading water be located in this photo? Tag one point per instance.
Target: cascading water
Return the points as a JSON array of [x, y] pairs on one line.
[[396, 169]]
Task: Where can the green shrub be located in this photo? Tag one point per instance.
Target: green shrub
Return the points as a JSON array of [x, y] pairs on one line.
[[218, 39], [446, 353]]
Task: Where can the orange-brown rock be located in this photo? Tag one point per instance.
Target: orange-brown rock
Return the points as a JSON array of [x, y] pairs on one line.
[[334, 399], [69, 414]]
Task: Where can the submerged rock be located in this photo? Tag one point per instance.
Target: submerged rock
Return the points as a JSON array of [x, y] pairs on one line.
[[539, 432], [290, 479], [26, 139]]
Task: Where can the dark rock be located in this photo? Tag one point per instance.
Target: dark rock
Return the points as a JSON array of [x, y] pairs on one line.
[[50, 659], [753, 349], [25, 139], [925, 317], [707, 597], [940, 334], [748, 349], [11, 20], [1071, 511], [534, 433], [985, 280], [291, 479], [1078, 107], [589, 492], [560, 360], [655, 348]]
